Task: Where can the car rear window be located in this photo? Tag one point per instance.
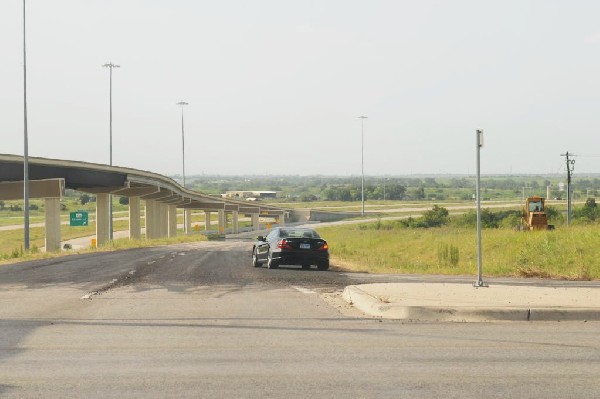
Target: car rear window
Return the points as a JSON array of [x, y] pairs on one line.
[[298, 233]]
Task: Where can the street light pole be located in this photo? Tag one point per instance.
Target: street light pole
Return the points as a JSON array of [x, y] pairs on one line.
[[26, 145], [182, 104], [110, 66], [362, 161]]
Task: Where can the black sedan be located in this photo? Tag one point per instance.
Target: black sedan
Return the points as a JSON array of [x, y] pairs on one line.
[[291, 246]]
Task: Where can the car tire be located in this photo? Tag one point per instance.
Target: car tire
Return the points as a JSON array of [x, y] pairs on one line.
[[323, 266], [305, 267], [272, 263], [255, 261]]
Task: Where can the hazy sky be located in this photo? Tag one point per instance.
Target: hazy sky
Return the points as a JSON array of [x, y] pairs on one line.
[[276, 86]]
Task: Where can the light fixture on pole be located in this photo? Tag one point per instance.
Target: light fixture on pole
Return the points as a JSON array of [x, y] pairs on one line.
[[182, 104], [26, 145], [110, 66], [362, 162]]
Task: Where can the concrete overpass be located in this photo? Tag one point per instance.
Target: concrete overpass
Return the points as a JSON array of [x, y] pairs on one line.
[[48, 179]]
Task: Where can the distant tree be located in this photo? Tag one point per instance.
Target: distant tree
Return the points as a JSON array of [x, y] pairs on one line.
[[2, 204], [306, 197], [124, 200], [417, 193], [395, 192], [84, 199], [589, 212]]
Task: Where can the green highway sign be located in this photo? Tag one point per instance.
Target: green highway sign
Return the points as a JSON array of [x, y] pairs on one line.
[[79, 218]]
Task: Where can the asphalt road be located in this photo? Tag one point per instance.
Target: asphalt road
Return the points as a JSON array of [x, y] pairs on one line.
[[197, 320]]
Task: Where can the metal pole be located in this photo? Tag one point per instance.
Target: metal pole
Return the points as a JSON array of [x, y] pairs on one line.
[[362, 162], [110, 205], [479, 144], [110, 66], [182, 104], [26, 145], [182, 148]]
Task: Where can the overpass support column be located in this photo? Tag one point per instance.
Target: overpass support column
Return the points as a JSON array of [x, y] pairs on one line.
[[150, 219], [254, 218], [172, 220], [235, 222], [52, 210], [282, 219], [102, 216], [222, 221], [135, 222], [163, 210], [206, 220], [188, 220]]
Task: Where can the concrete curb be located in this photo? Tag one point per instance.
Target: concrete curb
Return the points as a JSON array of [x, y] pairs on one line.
[[373, 306]]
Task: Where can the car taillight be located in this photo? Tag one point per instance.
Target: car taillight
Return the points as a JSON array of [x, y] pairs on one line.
[[283, 244], [324, 247]]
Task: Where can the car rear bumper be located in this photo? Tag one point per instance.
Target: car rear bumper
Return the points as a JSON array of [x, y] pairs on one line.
[[301, 257]]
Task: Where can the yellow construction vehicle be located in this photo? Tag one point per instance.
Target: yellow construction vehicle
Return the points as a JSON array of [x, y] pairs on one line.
[[533, 215]]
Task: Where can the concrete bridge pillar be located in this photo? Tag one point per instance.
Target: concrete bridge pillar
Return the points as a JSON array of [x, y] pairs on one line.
[[135, 222], [151, 221], [235, 222], [255, 224], [188, 220], [282, 219], [222, 221], [102, 218], [163, 215], [52, 210], [206, 220], [172, 215]]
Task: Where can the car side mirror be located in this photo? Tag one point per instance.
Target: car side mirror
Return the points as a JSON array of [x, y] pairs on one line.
[[260, 238]]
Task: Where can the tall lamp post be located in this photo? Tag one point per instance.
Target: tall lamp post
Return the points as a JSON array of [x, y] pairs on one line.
[[26, 145], [182, 104], [110, 66], [362, 161]]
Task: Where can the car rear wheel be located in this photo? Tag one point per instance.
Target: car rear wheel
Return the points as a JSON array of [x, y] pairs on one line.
[[272, 263], [255, 261], [323, 266]]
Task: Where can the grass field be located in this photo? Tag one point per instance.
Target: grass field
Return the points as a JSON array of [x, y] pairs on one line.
[[566, 253]]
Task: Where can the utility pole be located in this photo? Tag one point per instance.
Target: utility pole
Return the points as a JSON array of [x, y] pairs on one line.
[[570, 168]]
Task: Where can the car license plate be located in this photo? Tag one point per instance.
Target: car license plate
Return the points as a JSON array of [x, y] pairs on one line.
[[304, 246]]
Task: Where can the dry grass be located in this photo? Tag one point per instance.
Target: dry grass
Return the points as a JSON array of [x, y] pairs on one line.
[[566, 253]]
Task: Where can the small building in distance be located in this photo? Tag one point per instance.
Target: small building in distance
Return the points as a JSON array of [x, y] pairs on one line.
[[247, 195]]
